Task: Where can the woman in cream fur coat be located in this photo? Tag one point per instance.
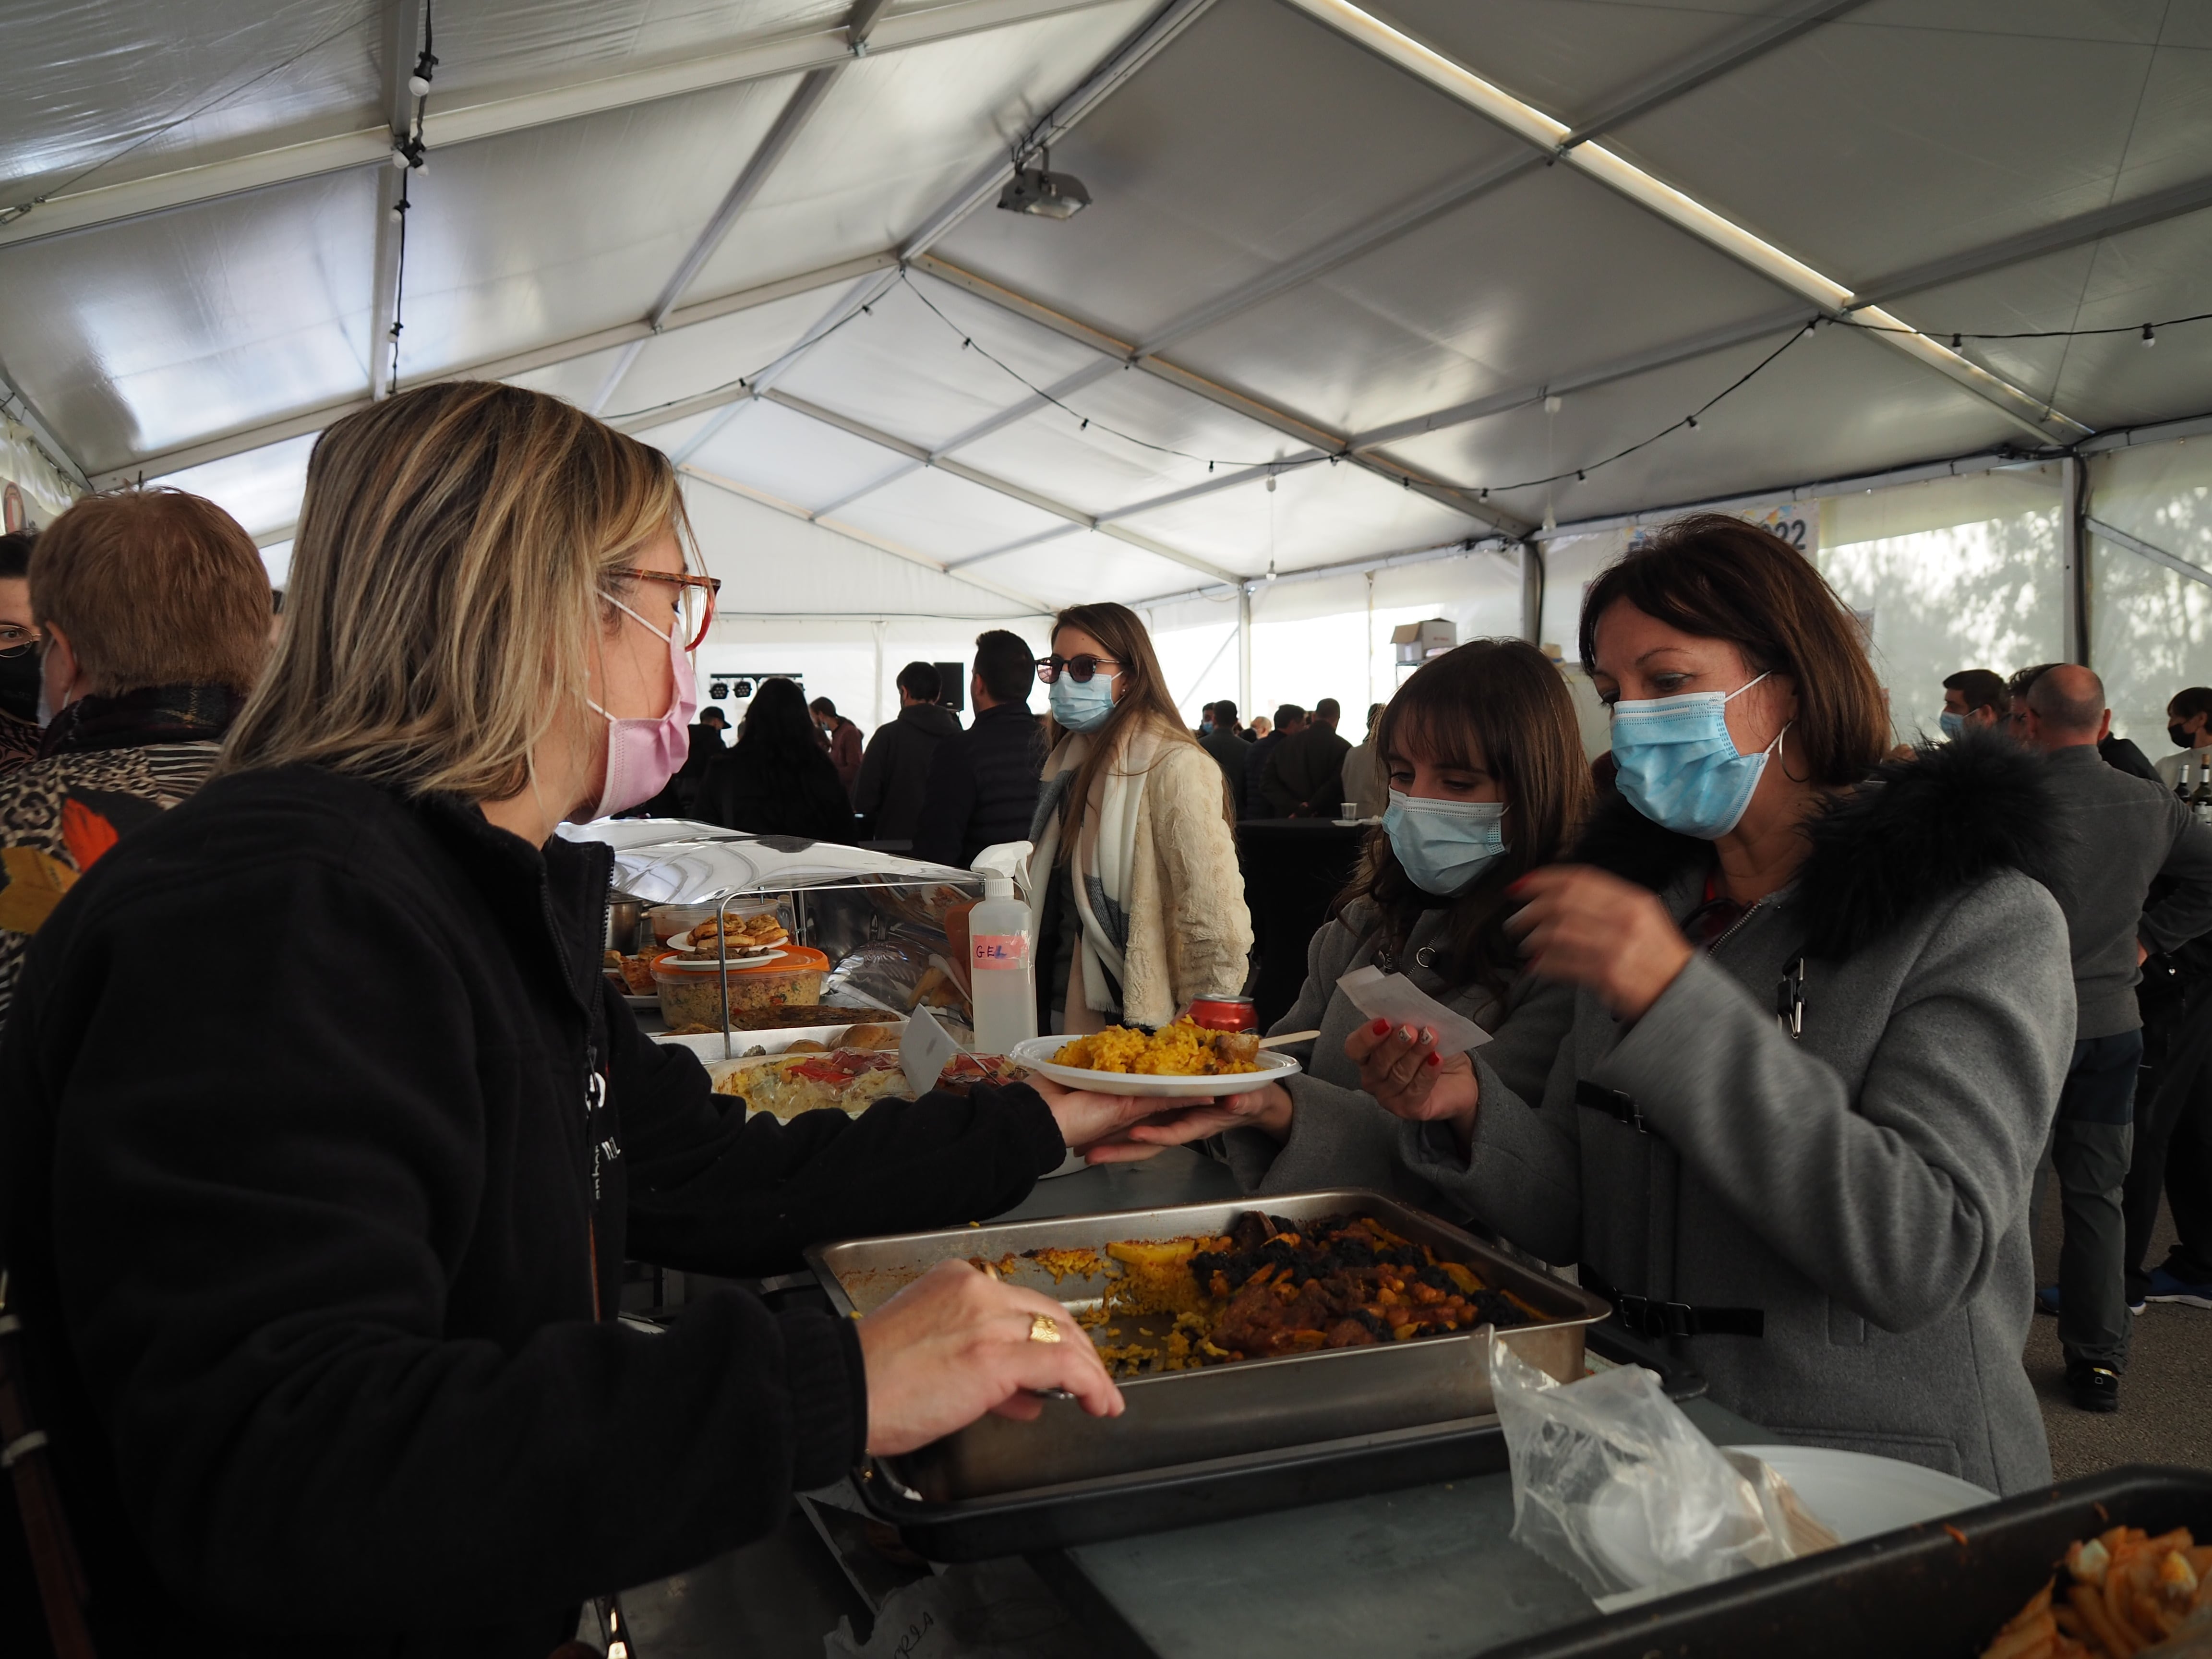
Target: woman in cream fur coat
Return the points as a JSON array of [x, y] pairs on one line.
[[1136, 902]]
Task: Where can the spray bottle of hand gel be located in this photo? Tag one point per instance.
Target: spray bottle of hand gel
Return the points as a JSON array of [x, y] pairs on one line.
[[1001, 958]]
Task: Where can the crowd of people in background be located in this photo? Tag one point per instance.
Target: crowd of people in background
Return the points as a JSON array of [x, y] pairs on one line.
[[1295, 764], [2132, 872]]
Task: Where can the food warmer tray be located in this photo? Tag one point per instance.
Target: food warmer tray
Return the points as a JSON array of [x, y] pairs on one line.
[[1205, 1445], [1943, 1588]]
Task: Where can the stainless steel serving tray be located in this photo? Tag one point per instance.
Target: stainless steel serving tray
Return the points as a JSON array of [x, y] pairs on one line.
[[1251, 1407]]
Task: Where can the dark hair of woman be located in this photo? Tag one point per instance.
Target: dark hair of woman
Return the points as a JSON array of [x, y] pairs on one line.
[[1722, 577], [777, 730], [1498, 706]]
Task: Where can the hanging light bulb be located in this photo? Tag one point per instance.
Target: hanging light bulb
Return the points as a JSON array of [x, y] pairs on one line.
[[417, 87], [1271, 484], [1553, 404], [1551, 522], [1044, 193], [1693, 424], [2149, 335]]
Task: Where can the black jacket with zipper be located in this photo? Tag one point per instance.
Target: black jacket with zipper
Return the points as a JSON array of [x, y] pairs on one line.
[[322, 1143]]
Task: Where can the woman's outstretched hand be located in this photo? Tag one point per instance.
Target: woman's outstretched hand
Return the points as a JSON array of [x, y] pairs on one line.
[[956, 1344], [1088, 1121], [1589, 928], [1267, 1108], [1401, 1068]]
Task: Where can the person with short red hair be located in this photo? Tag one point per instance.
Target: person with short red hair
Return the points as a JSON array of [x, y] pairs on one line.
[[152, 609]]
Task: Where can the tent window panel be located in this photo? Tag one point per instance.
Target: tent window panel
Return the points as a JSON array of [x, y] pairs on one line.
[[2150, 635]]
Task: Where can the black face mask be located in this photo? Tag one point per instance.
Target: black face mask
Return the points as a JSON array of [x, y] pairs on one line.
[[19, 684], [2181, 737]]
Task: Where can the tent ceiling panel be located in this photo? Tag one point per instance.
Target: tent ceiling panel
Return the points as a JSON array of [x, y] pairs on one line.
[[672, 437], [575, 379], [1094, 470], [903, 370], [1175, 419], [1443, 316], [503, 47], [260, 488], [1315, 515], [2122, 282], [806, 463], [1836, 404], [900, 132], [1571, 58], [945, 517], [165, 330], [1083, 566], [772, 564], [543, 234], [1226, 157], [88, 78], [1966, 150]]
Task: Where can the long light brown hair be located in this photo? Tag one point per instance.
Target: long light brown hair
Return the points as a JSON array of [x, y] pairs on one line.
[[449, 581], [1144, 704], [1500, 705]]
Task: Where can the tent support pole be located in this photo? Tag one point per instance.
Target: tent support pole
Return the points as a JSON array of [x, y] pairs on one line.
[[1244, 649], [2074, 557], [1532, 592]]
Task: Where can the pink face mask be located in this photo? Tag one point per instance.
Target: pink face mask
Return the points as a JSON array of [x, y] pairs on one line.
[[643, 755]]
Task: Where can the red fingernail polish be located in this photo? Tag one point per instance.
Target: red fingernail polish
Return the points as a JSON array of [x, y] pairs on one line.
[[1382, 1026], [1436, 1060]]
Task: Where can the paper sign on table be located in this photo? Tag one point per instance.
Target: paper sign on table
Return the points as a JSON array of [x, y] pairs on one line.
[[924, 1049], [1394, 997]]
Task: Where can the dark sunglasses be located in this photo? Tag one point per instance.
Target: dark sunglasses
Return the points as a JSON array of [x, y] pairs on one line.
[[1078, 669]]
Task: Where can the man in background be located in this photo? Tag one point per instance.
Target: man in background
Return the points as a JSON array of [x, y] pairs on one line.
[[894, 770], [1305, 777], [1288, 719], [20, 731], [842, 738], [1258, 728], [2188, 724], [1365, 783], [1205, 722], [1231, 747], [2115, 752], [984, 782], [2116, 835], [153, 606], [1973, 700]]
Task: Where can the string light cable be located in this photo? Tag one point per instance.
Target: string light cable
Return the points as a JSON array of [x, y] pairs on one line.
[[2147, 332], [409, 153]]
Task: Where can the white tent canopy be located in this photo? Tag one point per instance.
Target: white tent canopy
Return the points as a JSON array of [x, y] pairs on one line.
[[1353, 274]]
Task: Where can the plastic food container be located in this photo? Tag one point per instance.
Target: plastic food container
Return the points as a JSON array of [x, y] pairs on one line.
[[691, 992]]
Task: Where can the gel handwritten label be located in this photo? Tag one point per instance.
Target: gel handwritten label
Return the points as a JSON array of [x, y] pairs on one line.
[[1000, 950]]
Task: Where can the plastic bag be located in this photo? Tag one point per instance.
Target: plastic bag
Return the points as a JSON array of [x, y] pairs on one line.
[[1613, 1485]]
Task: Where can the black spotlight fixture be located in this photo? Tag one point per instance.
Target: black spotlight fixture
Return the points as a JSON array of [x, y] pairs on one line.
[[717, 689], [1043, 192]]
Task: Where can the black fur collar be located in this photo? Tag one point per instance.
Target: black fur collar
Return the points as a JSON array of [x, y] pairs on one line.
[[1913, 831]]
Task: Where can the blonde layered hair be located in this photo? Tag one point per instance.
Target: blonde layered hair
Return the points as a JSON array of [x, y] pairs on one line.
[[454, 557]]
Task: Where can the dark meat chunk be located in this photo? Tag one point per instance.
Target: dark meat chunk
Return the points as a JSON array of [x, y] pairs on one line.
[[1350, 1334]]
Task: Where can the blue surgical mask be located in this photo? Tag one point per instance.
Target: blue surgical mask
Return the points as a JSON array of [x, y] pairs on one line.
[[1443, 845], [1954, 726], [1678, 765], [1084, 707]]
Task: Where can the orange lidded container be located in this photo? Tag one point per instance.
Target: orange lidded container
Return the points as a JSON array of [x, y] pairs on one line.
[[691, 992]]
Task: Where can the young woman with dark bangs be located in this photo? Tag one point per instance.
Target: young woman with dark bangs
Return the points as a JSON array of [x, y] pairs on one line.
[[1487, 782]]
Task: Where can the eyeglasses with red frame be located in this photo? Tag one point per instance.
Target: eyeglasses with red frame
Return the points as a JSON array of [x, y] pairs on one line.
[[696, 602]]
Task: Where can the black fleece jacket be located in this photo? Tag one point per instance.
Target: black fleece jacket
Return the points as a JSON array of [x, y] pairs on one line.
[[323, 1143]]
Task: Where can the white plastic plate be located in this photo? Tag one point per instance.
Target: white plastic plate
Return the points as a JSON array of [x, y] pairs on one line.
[[1036, 1054]]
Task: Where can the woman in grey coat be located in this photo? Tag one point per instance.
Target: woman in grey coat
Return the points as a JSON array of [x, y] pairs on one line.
[[1487, 782], [1821, 1020]]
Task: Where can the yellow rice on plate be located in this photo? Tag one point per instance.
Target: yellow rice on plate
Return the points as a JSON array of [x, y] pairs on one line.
[[1183, 1049]]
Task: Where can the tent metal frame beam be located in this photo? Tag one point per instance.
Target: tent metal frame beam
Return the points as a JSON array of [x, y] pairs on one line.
[[2143, 549], [1431, 553], [1043, 503], [1313, 437], [1686, 212], [164, 462], [403, 41], [782, 53], [866, 538]]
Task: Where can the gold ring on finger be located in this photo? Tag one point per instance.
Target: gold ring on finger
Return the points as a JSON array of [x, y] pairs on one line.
[[1043, 1328]]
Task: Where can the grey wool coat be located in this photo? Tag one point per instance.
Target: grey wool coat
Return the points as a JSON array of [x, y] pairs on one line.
[[1861, 1185]]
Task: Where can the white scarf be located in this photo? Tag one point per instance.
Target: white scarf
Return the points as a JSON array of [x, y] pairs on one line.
[[1105, 858]]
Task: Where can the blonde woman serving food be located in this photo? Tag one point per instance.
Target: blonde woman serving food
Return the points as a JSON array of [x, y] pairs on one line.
[[1137, 902], [322, 1308]]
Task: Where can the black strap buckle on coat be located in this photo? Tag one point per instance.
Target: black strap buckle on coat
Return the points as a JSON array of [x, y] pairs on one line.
[[1650, 1318], [1614, 1103]]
